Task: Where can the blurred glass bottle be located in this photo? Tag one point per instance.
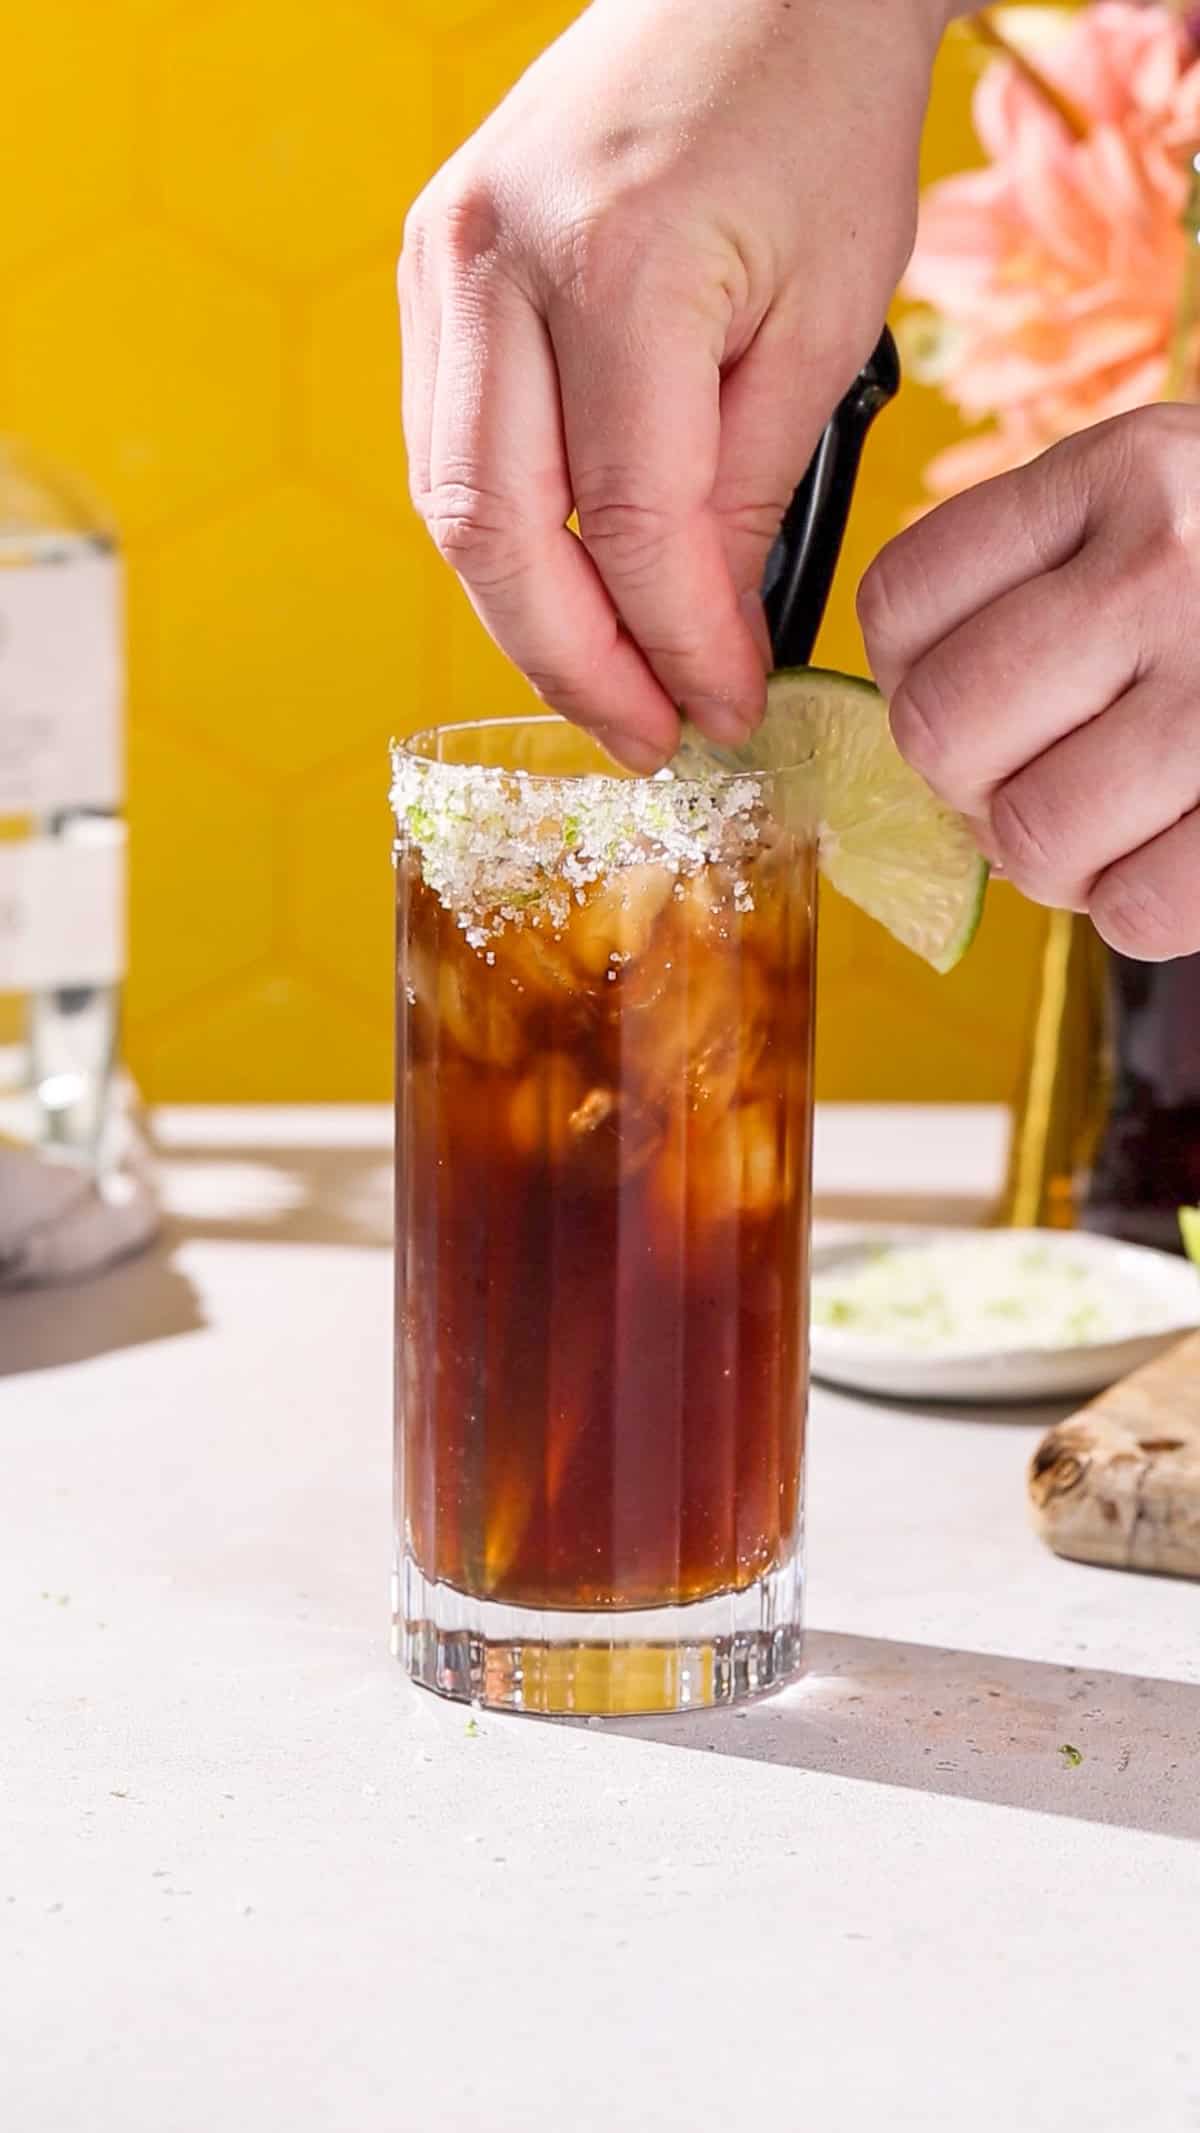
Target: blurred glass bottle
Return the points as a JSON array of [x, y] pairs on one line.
[[1147, 1164], [1063, 1104], [62, 843], [1107, 1127], [1106, 1132]]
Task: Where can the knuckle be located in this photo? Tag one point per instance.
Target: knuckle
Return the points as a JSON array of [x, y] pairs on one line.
[[418, 483], [895, 601], [877, 604], [470, 222], [581, 259], [624, 532], [921, 727], [550, 688], [589, 245], [472, 530], [687, 656], [1024, 837], [1050, 493], [457, 219], [413, 262], [1133, 918], [1155, 440], [416, 217], [755, 519], [559, 691], [1153, 565], [1155, 457], [623, 250], [1156, 585], [419, 240]]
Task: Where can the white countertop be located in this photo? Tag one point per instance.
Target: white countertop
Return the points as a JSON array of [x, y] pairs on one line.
[[249, 1879]]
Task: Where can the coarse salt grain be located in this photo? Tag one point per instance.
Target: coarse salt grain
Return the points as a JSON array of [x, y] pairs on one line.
[[502, 848]]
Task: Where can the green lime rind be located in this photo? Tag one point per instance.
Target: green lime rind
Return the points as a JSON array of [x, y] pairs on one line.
[[959, 941], [1189, 1229], [884, 841]]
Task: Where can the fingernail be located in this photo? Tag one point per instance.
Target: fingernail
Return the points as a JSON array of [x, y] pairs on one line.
[[722, 721], [755, 617], [630, 750]]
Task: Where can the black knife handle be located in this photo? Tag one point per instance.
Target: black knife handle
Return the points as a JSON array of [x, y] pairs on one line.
[[802, 563]]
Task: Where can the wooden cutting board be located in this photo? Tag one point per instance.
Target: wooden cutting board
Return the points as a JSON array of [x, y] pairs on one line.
[[1119, 1482]]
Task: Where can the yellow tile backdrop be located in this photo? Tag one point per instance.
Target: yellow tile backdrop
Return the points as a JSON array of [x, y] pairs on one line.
[[202, 204]]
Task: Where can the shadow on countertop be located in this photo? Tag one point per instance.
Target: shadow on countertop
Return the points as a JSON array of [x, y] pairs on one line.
[[1101, 1747], [213, 1194], [279, 1194], [142, 1299]]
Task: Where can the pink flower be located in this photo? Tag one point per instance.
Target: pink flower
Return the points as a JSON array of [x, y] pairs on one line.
[[1056, 270]]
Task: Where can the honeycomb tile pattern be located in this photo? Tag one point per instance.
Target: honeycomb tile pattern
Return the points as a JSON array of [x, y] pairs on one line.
[[197, 316], [77, 75]]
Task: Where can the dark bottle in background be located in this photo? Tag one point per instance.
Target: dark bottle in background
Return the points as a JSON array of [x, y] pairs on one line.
[[1106, 1129], [1147, 1164], [1063, 1103]]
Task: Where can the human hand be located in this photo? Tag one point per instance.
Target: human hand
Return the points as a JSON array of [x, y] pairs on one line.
[[638, 294], [1038, 640]]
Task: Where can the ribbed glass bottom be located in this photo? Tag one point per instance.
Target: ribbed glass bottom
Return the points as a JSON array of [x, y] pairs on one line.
[[555, 1663]]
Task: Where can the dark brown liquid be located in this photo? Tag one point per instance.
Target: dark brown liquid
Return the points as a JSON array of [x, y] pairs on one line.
[[603, 1197]]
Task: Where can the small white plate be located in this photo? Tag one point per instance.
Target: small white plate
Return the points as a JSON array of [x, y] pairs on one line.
[[878, 1364]]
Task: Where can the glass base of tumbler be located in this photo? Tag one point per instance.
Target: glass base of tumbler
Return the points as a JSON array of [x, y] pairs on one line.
[[590, 1665]]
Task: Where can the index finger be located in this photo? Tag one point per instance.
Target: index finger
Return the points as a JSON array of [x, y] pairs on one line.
[[966, 554], [641, 397], [497, 506]]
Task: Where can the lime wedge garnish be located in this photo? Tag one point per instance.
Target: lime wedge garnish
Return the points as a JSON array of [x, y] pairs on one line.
[[1189, 1225], [883, 840]]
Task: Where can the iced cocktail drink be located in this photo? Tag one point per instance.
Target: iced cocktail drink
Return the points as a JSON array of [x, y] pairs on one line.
[[603, 1183]]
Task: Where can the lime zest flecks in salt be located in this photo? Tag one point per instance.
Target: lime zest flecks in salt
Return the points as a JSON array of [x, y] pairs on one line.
[[979, 1294], [502, 848]]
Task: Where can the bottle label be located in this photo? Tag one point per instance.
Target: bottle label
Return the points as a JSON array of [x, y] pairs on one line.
[[62, 909], [60, 686]]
